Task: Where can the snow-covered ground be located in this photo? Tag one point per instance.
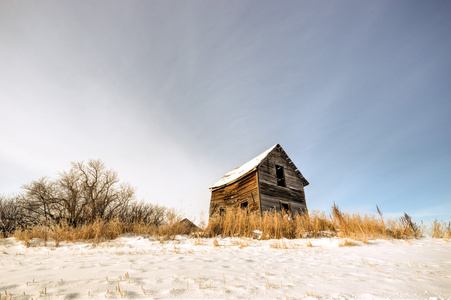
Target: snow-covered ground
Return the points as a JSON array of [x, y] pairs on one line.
[[140, 267]]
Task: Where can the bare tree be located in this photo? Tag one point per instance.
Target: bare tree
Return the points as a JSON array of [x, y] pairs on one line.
[[99, 193], [40, 200], [70, 191], [84, 193], [147, 213], [12, 216]]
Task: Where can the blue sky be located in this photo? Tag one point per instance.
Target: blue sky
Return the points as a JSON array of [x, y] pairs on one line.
[[174, 94]]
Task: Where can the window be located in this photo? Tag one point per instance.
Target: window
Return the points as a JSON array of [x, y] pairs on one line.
[[285, 208], [244, 205], [280, 176]]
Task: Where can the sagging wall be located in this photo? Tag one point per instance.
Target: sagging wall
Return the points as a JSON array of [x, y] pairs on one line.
[[233, 195], [270, 193]]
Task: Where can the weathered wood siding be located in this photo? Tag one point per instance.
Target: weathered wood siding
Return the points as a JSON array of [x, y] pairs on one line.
[[245, 189], [270, 193]]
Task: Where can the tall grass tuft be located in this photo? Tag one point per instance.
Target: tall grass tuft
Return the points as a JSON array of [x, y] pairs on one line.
[[276, 225], [439, 229]]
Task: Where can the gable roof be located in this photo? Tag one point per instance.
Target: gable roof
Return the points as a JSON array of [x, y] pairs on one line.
[[251, 166]]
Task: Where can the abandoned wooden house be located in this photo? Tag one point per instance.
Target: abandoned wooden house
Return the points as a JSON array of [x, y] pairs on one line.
[[268, 182]]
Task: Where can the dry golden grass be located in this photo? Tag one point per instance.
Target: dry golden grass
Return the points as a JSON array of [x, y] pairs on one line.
[[274, 225], [242, 243], [198, 242], [238, 222], [279, 244], [242, 223], [96, 232], [439, 229], [347, 243]]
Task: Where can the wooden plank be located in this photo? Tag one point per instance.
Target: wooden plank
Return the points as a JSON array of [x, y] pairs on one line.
[[246, 189], [271, 194], [282, 193], [267, 170], [268, 203]]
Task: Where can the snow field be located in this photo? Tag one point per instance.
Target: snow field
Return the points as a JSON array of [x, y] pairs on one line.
[[144, 268]]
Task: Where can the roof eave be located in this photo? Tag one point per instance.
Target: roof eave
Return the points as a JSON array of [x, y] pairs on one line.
[[213, 188], [268, 152]]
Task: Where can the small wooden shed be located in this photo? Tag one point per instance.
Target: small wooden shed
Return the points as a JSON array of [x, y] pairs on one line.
[[270, 181]]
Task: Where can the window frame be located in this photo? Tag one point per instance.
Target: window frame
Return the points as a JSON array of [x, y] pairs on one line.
[[280, 179], [282, 205]]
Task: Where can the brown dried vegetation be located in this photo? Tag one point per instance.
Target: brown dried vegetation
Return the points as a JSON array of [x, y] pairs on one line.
[[276, 225]]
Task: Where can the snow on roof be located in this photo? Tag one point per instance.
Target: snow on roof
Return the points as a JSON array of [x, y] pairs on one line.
[[242, 170]]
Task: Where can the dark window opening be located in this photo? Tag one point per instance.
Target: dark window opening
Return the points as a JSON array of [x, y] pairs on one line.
[[285, 207], [280, 176], [244, 205]]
